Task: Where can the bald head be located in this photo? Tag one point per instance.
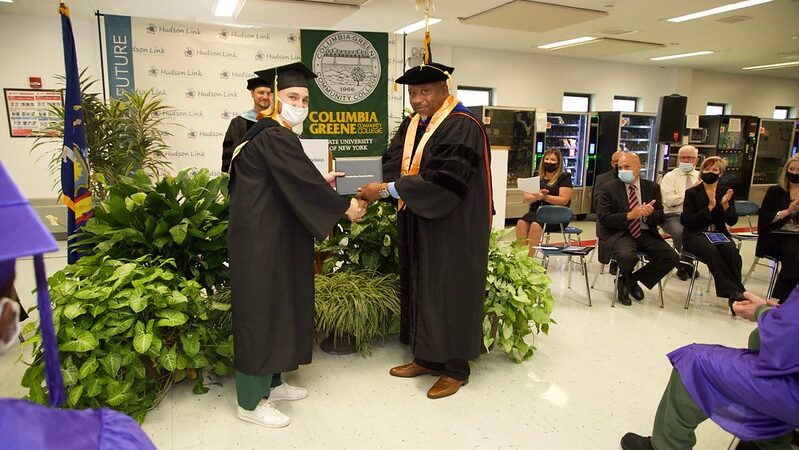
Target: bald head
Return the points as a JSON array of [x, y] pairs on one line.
[[614, 158], [630, 161]]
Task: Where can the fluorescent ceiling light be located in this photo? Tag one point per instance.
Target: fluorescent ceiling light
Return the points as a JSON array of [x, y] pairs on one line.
[[772, 66], [719, 10], [682, 55], [6, 1], [568, 43], [228, 8], [416, 26]]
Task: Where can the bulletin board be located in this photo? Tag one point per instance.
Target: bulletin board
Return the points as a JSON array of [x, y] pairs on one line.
[[30, 111]]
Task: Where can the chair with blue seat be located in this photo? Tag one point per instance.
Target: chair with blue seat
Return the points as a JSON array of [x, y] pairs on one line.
[[559, 216], [745, 208], [774, 265]]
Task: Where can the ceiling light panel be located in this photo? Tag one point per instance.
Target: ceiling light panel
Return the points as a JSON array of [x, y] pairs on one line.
[[719, 10]]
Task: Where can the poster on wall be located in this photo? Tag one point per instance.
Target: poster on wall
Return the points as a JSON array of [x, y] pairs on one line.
[[30, 111], [201, 72], [349, 105]]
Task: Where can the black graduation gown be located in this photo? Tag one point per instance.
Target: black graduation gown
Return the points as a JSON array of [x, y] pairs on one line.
[[278, 204], [238, 127], [443, 238]]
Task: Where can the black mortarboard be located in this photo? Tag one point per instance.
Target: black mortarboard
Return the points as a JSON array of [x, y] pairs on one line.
[[253, 83], [426, 73], [290, 75]]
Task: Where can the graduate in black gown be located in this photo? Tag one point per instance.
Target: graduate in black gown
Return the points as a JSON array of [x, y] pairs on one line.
[[438, 167], [279, 202], [261, 91]]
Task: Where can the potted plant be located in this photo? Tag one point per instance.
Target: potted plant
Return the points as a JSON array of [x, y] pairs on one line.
[[517, 294]]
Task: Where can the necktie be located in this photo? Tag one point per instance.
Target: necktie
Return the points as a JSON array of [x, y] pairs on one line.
[[688, 184], [635, 225]]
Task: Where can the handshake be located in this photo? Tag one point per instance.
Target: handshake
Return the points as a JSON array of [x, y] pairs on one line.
[[358, 205], [366, 194]]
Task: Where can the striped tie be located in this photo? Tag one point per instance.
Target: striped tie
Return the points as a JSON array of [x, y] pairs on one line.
[[635, 225]]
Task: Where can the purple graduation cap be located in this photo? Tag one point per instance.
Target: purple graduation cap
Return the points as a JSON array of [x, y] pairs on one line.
[[23, 234]]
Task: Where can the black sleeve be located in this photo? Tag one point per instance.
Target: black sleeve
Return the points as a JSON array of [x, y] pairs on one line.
[[607, 217], [228, 146], [317, 206], [730, 215], [772, 204], [696, 216], [445, 177]]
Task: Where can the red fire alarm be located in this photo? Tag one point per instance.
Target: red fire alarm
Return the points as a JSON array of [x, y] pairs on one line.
[[35, 82]]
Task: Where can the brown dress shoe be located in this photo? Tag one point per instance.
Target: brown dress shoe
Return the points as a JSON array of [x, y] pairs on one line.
[[411, 370], [445, 386]]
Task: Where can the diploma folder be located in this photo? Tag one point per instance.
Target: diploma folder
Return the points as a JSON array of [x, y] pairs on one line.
[[359, 171]]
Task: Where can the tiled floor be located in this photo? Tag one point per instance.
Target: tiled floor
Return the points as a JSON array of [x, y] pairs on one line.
[[598, 374]]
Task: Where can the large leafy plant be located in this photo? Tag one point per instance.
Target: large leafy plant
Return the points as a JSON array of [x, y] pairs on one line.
[[370, 244], [360, 304], [123, 135], [518, 294], [184, 216], [128, 329]]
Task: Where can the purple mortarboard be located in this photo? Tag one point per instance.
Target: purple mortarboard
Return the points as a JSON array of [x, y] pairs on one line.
[[23, 234]]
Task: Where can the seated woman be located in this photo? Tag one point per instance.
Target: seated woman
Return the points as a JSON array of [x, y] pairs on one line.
[[780, 213], [709, 207], [556, 189]]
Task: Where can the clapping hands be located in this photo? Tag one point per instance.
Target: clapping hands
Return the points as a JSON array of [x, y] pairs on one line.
[[645, 210], [725, 201], [538, 196]]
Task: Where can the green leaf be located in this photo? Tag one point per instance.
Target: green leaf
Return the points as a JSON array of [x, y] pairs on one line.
[[191, 343], [88, 367], [93, 385], [137, 303], [177, 297], [111, 363], [69, 373], [74, 394], [178, 233], [142, 339], [84, 342], [169, 359], [171, 318], [117, 393], [73, 310]]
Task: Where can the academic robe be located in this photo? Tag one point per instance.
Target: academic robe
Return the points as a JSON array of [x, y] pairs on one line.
[[238, 127], [279, 202], [443, 238], [753, 395]]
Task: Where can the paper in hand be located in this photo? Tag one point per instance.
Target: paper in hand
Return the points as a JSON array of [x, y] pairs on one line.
[[531, 185]]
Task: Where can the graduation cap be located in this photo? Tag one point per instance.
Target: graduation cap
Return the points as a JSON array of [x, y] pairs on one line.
[[289, 75], [23, 234], [426, 73], [257, 82]]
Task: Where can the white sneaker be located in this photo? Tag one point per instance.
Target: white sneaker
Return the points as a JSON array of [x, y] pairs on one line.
[[265, 415], [287, 392]]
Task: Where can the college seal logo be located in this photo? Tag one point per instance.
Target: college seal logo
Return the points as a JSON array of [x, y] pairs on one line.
[[348, 67]]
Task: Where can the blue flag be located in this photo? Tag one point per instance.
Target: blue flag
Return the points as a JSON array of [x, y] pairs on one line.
[[76, 192]]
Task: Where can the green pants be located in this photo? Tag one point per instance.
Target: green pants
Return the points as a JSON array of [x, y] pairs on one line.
[[250, 389], [678, 416]]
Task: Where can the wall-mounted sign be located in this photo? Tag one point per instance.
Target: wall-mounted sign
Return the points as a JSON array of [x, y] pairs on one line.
[[30, 111]]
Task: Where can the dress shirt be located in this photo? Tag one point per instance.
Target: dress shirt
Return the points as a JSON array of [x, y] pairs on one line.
[[637, 186], [673, 186]]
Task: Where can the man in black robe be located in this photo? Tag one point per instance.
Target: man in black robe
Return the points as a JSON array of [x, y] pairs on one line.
[[438, 167], [261, 91], [279, 202]]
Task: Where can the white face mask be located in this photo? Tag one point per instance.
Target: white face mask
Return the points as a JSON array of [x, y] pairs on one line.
[[293, 115], [686, 167], [8, 337]]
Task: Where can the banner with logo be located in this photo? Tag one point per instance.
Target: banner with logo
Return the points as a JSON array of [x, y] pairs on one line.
[[349, 105], [201, 71]]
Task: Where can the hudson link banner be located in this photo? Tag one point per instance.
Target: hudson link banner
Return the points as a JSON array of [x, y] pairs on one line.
[[349, 105], [201, 71]]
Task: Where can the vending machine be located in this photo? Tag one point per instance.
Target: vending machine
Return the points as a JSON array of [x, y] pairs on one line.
[[774, 146], [511, 130], [733, 138], [568, 132], [795, 146]]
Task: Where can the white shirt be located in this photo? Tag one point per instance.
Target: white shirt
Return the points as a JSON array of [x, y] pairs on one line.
[[673, 186], [637, 187]]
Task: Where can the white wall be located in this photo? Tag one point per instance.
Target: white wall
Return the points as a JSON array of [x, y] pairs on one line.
[[31, 46]]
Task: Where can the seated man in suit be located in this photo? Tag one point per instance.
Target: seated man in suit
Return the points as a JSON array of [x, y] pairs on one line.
[[629, 211]]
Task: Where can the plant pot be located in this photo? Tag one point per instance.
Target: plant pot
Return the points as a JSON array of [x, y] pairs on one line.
[[343, 345]]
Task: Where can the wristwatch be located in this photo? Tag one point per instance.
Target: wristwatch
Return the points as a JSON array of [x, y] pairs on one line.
[[384, 191]]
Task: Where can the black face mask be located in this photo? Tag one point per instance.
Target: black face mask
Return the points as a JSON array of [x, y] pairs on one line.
[[550, 167], [710, 177], [792, 177]]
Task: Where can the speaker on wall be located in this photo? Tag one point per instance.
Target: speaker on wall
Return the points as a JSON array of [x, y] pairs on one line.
[[671, 118]]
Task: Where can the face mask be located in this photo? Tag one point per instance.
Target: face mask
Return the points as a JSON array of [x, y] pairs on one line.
[[710, 177], [686, 167], [550, 167], [8, 337], [792, 177], [293, 115], [626, 175]]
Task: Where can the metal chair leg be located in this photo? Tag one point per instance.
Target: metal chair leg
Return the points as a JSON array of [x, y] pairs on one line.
[[709, 281], [691, 284], [774, 271], [615, 287], [601, 271], [660, 288], [585, 271], [751, 269]]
